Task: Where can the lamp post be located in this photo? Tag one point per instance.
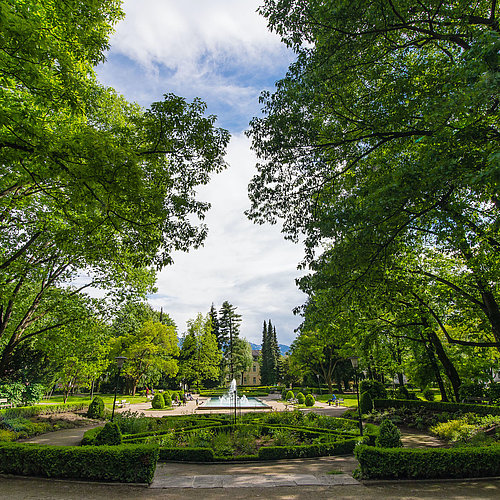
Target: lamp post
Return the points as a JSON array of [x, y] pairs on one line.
[[355, 364], [119, 361]]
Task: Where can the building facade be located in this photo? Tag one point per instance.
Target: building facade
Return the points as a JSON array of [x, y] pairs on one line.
[[252, 376]]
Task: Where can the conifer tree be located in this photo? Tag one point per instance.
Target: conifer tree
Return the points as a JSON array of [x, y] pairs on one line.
[[215, 326], [229, 329], [264, 358]]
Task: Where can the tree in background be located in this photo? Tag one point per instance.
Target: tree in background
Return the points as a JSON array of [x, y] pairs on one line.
[[242, 354], [229, 330], [215, 326], [270, 355], [200, 356], [150, 352]]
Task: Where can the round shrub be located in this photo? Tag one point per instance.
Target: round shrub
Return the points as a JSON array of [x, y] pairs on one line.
[[310, 400], [158, 403], [167, 399], [389, 436], [174, 396], [366, 402], [376, 389], [96, 408], [301, 399], [402, 393], [289, 395], [284, 392], [428, 394], [110, 435]]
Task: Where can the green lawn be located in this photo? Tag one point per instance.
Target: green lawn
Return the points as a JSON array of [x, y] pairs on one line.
[[108, 399], [350, 400]]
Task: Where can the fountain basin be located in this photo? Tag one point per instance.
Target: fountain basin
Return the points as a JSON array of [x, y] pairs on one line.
[[221, 403]]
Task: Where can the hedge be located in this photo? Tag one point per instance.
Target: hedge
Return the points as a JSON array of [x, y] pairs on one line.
[[32, 411], [429, 463], [306, 451], [187, 454], [90, 436], [437, 406], [124, 463]]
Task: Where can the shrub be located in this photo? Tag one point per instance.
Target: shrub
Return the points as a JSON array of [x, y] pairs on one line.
[[125, 463], [401, 393], [389, 435], [469, 390], [428, 394], [437, 406], [90, 436], [187, 454], [310, 400], [175, 396], [289, 395], [376, 389], [428, 463], [158, 403], [493, 393], [366, 402], [301, 399], [32, 411], [96, 408], [284, 393], [168, 400], [109, 435]]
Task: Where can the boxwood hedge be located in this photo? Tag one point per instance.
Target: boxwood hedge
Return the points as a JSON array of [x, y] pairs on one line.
[[437, 406], [32, 411], [124, 463], [427, 463]]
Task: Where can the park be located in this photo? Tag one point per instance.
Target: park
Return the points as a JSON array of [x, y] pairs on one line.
[[249, 247]]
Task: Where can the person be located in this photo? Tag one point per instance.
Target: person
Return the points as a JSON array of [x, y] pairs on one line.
[[147, 392], [332, 400], [184, 399]]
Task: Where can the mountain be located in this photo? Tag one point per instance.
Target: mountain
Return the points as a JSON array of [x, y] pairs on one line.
[[283, 348]]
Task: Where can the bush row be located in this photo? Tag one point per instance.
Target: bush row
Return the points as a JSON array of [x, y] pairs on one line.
[[124, 463], [429, 463], [439, 406], [32, 411]]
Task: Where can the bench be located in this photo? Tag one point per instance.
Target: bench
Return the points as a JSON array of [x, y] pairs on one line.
[[4, 403], [123, 403], [291, 402]]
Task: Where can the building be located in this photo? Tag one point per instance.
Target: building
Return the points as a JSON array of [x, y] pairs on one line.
[[252, 376]]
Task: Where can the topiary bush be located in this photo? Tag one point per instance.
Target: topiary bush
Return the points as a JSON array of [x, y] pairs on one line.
[[389, 435], [158, 403], [96, 408], [376, 389], [428, 394], [366, 402], [310, 400], [289, 395], [284, 392], [168, 400], [109, 435], [401, 392], [301, 399]]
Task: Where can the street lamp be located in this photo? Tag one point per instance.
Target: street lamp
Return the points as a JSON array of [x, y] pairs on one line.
[[119, 362], [355, 364]]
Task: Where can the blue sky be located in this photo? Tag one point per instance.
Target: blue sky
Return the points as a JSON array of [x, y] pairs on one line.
[[222, 52]]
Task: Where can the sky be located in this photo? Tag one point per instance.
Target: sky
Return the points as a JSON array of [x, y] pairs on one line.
[[222, 52]]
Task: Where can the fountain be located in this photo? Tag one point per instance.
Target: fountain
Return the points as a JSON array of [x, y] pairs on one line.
[[231, 400]]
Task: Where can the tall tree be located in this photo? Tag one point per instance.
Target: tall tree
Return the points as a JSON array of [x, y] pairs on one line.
[[229, 328], [200, 355], [215, 326], [265, 357]]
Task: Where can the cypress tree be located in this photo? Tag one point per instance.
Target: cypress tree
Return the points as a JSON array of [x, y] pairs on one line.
[[215, 326], [264, 359]]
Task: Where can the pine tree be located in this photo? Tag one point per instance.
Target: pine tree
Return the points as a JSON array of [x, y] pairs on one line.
[[215, 326], [229, 330], [264, 357], [275, 356]]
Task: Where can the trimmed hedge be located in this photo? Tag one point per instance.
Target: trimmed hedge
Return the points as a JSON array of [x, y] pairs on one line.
[[428, 463], [32, 411], [96, 408], [307, 451], [90, 436], [124, 463], [187, 454], [437, 406]]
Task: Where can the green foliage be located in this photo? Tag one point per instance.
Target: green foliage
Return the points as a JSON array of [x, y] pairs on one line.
[[187, 454], [158, 402], [470, 390], [389, 435], [428, 394], [167, 399], [401, 393], [301, 399], [96, 408], [437, 406], [125, 463], [309, 400], [89, 438], [22, 394], [366, 402], [376, 389], [466, 429], [109, 435], [290, 395], [493, 393], [429, 463], [284, 393], [32, 411]]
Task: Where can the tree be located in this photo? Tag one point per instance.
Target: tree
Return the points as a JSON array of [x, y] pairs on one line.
[[200, 356], [150, 352], [270, 355], [243, 358], [215, 326], [89, 181], [385, 131], [229, 329]]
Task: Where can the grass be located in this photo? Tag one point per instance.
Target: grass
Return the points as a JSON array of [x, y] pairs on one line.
[[350, 400], [107, 398]]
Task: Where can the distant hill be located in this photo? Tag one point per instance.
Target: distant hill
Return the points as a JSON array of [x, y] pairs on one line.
[[283, 348]]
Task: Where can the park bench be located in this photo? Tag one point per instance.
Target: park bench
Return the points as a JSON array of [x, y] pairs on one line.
[[4, 403], [291, 402], [123, 403]]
